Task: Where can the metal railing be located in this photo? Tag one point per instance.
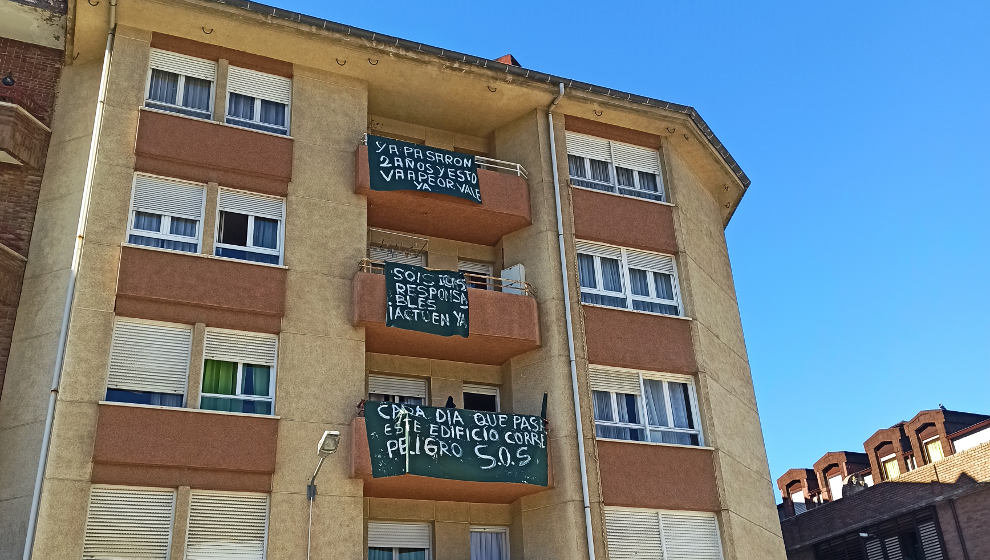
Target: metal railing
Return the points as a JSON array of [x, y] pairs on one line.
[[491, 164], [474, 280]]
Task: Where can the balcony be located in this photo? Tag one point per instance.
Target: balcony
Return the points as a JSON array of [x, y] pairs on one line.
[[502, 325], [621, 338], [657, 476], [416, 487], [23, 138], [227, 155], [169, 447], [646, 225], [504, 208], [192, 288]]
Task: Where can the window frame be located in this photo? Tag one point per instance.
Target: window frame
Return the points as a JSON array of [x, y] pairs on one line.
[[255, 123], [481, 389], [889, 459], [473, 278], [501, 529], [624, 279], [205, 492], [662, 520], [181, 109], [614, 185], [394, 397], [926, 442], [645, 427], [396, 548], [239, 394], [279, 251], [588, 144], [166, 219], [117, 319]]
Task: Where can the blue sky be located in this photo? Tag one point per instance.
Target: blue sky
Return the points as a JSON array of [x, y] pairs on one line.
[[860, 252]]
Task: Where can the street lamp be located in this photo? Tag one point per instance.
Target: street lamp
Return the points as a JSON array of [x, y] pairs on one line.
[[327, 447]]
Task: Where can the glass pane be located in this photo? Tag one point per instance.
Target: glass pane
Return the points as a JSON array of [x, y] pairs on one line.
[[599, 171], [648, 181], [164, 86], [598, 299], [219, 377], [162, 243], [664, 285], [639, 282], [233, 228], [243, 255], [654, 307], [679, 438], [625, 177], [620, 432], [233, 404], [146, 221], [680, 405], [586, 271], [611, 276], [488, 545], [411, 400], [256, 380], [273, 113], [144, 397], [412, 554], [656, 403], [265, 233], [479, 401], [240, 106], [603, 405], [196, 94], [575, 166], [628, 408], [379, 553], [183, 227]]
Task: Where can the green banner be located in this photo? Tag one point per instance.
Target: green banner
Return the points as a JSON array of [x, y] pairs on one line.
[[420, 299], [402, 166], [456, 444]]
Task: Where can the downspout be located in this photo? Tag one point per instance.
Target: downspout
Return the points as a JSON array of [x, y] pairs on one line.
[[570, 330], [70, 290]]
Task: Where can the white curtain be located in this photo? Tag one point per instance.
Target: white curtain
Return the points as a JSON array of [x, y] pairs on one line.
[[488, 545]]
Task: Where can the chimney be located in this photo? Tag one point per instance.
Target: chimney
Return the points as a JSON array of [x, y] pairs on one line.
[[508, 59]]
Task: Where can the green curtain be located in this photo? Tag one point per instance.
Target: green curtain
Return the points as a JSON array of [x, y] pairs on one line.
[[219, 377]]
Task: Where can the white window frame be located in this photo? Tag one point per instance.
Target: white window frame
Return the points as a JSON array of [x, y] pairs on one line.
[[613, 184], [396, 396], [607, 251], [240, 373], [197, 492], [662, 520], [166, 222], [249, 247], [180, 93], [483, 390], [109, 488], [494, 529], [928, 456], [256, 111], [395, 548], [110, 357], [645, 426], [883, 466]]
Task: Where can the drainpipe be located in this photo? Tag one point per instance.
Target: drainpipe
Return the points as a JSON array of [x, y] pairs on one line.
[[570, 330], [70, 290]]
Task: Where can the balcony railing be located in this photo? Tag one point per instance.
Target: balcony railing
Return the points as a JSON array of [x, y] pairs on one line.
[[474, 280]]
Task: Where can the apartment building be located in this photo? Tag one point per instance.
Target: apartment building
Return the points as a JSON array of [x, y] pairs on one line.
[[525, 344]]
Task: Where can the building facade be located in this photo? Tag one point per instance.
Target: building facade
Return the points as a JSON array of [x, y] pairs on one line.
[[225, 305]]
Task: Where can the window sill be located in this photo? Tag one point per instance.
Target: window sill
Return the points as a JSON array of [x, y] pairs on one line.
[[202, 255], [660, 202], [681, 317], [705, 447], [187, 409], [211, 121]]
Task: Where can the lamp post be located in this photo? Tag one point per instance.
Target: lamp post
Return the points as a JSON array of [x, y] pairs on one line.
[[327, 446]]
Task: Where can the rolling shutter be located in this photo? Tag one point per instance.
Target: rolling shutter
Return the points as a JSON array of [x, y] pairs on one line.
[[644, 260], [587, 146], [404, 386], [163, 196], [613, 381], [125, 523], [636, 157], [244, 347], [892, 545], [930, 541], [255, 205], [633, 535], [403, 535], [149, 357], [475, 267], [690, 537], [378, 253], [598, 249], [184, 64], [227, 526], [874, 550], [259, 84]]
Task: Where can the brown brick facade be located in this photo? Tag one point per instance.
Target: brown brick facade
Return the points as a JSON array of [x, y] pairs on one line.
[[35, 70]]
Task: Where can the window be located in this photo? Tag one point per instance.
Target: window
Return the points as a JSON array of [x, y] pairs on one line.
[[249, 227], [481, 397], [398, 541], [126, 522], [615, 167], [489, 543], [835, 486], [181, 84], [477, 274], [380, 253], [258, 100], [644, 406], [227, 525], [403, 390], [238, 372], [933, 449], [149, 363], [166, 213], [889, 467], [628, 279], [635, 534]]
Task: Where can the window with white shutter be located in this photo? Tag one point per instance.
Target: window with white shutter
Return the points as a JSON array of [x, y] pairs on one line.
[[380, 254], [489, 543], [399, 541], [480, 397], [258, 100], [180, 83], [166, 213], [227, 525], [642, 534], [239, 371], [644, 406], [128, 523], [149, 362], [615, 167], [403, 390], [249, 226], [477, 274], [628, 278]]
